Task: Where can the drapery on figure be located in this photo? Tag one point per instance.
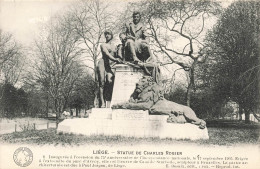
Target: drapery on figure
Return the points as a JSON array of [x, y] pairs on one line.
[[104, 70]]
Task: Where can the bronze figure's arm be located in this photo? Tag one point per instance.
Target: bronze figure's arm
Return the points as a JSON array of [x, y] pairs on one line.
[[105, 52]]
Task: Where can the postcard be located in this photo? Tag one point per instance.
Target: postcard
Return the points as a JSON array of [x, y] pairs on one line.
[[129, 84]]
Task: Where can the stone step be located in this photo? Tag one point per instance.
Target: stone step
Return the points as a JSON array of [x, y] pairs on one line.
[[100, 113], [131, 123]]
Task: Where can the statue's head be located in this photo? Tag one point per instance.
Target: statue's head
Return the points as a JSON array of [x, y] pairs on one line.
[[108, 35], [136, 17], [143, 83]]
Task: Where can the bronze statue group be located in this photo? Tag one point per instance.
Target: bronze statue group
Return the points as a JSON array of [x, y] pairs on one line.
[[149, 93], [134, 50]]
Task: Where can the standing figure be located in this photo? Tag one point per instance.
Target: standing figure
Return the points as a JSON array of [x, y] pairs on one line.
[[137, 43], [104, 68]]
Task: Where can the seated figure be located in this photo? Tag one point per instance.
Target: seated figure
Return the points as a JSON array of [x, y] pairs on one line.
[[150, 67], [136, 43]]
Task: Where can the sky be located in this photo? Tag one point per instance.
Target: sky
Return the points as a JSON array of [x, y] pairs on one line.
[[24, 18]]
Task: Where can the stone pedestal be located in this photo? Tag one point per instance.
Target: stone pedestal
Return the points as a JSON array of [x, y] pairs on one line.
[[101, 113], [126, 78], [129, 123]]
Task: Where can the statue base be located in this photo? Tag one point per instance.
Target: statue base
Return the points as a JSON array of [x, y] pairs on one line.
[[130, 123]]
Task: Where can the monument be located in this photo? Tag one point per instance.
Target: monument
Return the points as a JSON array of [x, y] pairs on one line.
[[138, 107]]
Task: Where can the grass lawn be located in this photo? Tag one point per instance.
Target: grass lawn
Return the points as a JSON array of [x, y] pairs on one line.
[[228, 133]]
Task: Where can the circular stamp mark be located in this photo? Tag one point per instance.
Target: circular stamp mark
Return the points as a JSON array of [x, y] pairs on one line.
[[23, 156]]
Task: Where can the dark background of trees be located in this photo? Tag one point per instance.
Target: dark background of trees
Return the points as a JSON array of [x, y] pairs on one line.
[[231, 68], [24, 101]]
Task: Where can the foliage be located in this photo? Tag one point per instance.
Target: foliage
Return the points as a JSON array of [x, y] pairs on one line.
[[228, 110], [13, 102], [58, 67], [9, 48], [37, 103], [59, 78], [232, 53], [84, 93], [11, 59], [177, 95]]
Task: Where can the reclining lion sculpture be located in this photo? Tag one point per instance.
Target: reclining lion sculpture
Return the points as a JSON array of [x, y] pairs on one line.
[[149, 95]]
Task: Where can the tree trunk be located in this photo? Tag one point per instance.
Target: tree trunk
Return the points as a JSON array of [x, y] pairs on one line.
[[219, 110], [96, 100], [258, 82], [47, 106], [220, 115], [77, 111], [57, 119], [240, 112], [247, 116], [57, 112], [191, 83], [188, 94], [222, 112]]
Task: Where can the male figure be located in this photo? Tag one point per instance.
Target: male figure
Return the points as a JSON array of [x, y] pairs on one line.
[[105, 72], [149, 65], [137, 43]]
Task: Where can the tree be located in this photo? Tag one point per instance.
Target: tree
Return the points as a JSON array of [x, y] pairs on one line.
[[13, 69], [90, 19], [58, 67], [84, 93], [212, 87], [37, 102], [9, 48], [177, 29], [233, 55], [13, 102], [11, 59], [177, 95], [11, 64]]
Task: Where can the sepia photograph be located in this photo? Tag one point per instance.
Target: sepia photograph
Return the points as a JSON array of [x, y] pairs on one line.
[[130, 84]]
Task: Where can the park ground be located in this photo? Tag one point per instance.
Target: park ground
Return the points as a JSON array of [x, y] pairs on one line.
[[221, 133]]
